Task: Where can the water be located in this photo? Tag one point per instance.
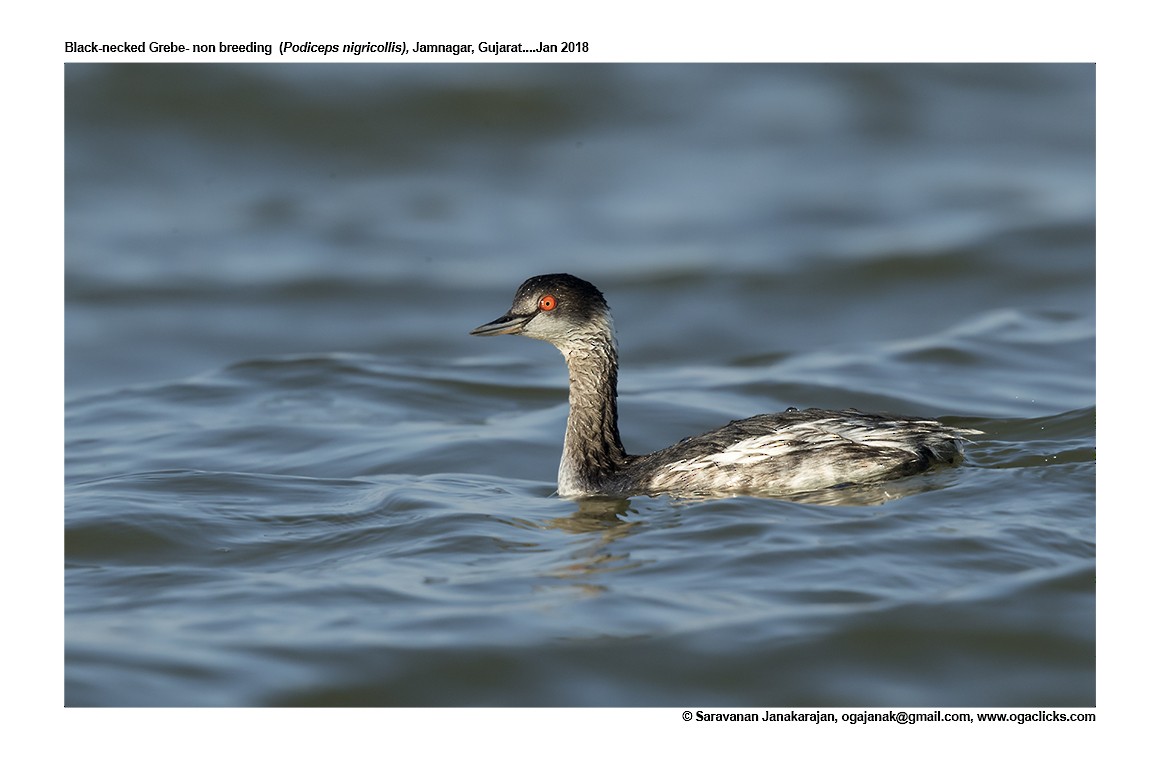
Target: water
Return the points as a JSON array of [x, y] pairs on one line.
[[292, 478]]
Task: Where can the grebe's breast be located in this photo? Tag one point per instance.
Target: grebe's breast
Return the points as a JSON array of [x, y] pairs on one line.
[[797, 451]]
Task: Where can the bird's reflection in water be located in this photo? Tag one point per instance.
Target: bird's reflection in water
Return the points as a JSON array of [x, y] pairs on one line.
[[596, 514], [605, 516], [600, 516]]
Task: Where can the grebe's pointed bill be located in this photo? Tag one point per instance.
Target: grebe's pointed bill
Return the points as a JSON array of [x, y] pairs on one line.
[[505, 324]]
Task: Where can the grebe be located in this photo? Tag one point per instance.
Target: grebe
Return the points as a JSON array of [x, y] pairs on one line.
[[773, 454]]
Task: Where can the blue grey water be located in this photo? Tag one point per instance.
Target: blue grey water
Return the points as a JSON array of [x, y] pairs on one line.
[[292, 478]]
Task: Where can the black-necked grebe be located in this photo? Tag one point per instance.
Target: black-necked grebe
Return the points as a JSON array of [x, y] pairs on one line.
[[774, 454]]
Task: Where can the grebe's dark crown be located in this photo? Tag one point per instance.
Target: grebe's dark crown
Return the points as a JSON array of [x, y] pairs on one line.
[[576, 299]]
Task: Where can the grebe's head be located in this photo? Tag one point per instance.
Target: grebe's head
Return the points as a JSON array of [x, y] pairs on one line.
[[559, 308]]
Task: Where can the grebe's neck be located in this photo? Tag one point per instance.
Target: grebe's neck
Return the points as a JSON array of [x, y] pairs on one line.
[[592, 448]]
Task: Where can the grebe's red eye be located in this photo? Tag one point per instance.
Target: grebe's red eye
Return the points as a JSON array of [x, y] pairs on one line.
[[547, 302]]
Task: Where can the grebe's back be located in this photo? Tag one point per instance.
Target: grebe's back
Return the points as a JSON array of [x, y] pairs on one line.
[[801, 450]]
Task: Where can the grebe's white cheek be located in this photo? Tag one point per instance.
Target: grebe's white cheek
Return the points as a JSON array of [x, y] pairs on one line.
[[547, 326]]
